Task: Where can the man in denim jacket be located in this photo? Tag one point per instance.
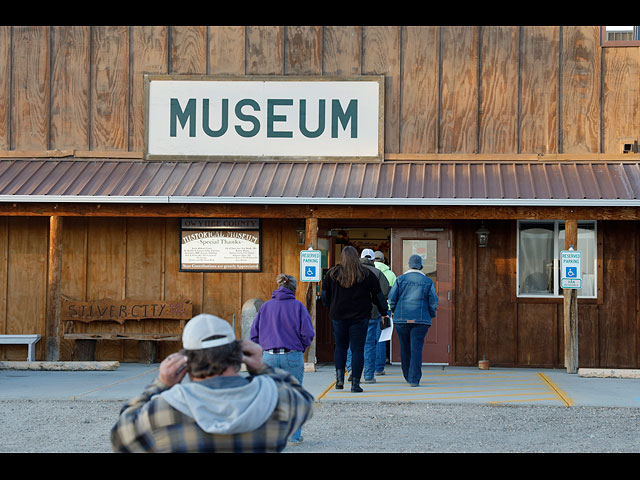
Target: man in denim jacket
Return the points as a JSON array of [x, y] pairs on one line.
[[413, 302]]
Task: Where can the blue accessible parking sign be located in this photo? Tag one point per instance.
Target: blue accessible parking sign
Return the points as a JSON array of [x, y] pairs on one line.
[[310, 265], [571, 269]]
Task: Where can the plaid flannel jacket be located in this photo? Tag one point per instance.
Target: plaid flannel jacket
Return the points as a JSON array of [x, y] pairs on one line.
[[150, 424]]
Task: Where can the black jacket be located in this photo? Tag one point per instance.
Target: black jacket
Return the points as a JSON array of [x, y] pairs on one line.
[[354, 303]]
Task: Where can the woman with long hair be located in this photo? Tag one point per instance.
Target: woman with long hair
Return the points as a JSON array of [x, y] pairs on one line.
[[349, 290]]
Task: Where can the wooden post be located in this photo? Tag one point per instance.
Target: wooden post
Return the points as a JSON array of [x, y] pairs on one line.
[[571, 306], [311, 240], [52, 327]]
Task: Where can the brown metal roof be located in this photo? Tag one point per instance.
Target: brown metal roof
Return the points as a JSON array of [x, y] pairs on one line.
[[349, 183]]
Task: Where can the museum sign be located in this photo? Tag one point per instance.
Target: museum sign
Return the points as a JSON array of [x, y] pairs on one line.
[[198, 117]]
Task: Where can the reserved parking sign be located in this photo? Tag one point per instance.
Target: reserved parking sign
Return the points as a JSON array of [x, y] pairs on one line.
[[571, 269], [310, 261]]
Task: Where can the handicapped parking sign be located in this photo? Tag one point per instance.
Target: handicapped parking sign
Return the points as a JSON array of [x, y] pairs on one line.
[[571, 269], [310, 265]]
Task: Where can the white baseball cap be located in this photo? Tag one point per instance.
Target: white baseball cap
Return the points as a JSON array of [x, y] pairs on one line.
[[206, 331], [367, 252]]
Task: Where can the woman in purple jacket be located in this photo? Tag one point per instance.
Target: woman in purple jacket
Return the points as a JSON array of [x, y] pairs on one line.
[[284, 330]]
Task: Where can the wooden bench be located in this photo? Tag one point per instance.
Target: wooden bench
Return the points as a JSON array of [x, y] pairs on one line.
[[116, 314], [29, 340]]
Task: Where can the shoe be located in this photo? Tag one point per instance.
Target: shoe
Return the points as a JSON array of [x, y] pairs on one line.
[[296, 442], [377, 374], [339, 379], [355, 385], [370, 380], [414, 384]]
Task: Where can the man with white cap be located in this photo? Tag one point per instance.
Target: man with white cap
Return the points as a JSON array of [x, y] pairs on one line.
[[218, 410], [381, 347]]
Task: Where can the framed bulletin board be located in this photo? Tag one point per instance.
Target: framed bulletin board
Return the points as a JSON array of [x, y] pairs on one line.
[[220, 245]]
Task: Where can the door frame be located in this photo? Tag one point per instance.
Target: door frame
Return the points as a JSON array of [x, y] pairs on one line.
[[444, 285]]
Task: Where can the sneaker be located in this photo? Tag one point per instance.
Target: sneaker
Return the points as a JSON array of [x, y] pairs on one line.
[[370, 380], [296, 442], [379, 373], [414, 384]]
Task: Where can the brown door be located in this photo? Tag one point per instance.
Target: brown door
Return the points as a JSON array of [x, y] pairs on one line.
[[324, 339], [325, 342], [434, 245]]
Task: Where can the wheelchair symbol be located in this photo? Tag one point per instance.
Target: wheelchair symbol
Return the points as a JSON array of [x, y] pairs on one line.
[[572, 272], [310, 271]]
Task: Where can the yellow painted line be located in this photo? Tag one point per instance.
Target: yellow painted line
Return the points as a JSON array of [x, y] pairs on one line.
[[525, 400], [354, 396], [483, 374], [563, 396], [432, 393], [431, 390], [485, 381], [388, 386], [326, 390]]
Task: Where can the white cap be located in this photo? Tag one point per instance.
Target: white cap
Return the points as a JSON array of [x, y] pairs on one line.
[[206, 331], [368, 253]]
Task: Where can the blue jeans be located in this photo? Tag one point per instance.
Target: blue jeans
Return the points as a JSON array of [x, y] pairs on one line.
[[381, 356], [371, 360], [350, 336], [292, 362], [370, 350], [411, 337]]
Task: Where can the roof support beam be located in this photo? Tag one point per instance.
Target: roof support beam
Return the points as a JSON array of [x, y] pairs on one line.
[[388, 212]]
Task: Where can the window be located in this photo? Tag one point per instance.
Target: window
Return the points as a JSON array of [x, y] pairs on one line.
[[620, 36], [539, 247]]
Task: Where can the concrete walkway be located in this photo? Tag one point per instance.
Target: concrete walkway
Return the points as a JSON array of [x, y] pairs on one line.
[[514, 386]]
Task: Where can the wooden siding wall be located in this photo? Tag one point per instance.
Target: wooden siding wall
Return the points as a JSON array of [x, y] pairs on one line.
[[118, 258], [464, 89], [490, 322]]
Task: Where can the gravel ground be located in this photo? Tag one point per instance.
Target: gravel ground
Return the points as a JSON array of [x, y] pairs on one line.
[[83, 427]]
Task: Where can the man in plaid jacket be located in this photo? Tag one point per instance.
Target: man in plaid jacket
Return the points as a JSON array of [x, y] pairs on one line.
[[218, 410]]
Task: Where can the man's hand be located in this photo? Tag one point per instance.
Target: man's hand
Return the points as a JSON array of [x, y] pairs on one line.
[[173, 369], [252, 355]]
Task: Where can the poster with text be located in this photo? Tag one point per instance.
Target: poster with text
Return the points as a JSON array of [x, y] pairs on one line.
[[220, 250]]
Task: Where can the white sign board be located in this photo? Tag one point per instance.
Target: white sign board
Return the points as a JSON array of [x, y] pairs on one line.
[[571, 269], [196, 117], [310, 265], [220, 245]]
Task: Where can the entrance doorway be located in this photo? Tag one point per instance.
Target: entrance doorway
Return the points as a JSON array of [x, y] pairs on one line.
[[434, 245], [397, 244], [331, 242]]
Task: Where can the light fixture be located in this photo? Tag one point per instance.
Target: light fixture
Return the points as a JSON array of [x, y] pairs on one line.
[[300, 235], [483, 236]]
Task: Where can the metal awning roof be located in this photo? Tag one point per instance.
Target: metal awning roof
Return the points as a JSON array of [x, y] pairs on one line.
[[487, 183]]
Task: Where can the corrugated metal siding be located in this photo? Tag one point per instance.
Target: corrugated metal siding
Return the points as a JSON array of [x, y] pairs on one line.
[[437, 183]]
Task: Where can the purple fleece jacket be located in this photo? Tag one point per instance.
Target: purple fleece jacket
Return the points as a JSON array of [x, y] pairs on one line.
[[283, 322]]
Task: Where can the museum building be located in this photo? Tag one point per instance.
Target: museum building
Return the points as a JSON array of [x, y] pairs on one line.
[[151, 173]]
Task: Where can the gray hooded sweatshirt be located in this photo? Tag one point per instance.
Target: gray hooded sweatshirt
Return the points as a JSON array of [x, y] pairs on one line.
[[225, 405]]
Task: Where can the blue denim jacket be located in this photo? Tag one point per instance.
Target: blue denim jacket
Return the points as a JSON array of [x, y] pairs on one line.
[[413, 297]]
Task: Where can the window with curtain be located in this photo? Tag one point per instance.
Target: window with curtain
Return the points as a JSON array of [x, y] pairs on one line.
[[620, 36], [539, 247]]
